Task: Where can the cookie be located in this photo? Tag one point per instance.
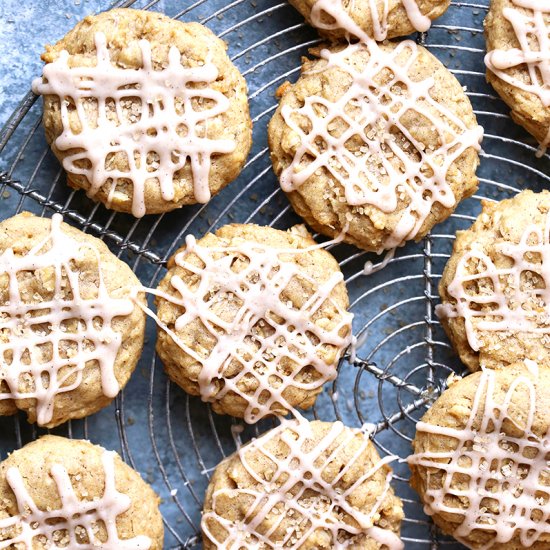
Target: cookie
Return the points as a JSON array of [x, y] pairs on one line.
[[375, 140], [253, 319], [495, 306], [480, 461], [63, 493], [381, 19], [70, 333], [146, 113], [303, 485], [518, 62]]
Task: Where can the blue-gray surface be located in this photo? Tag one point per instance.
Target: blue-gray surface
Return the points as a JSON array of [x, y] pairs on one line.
[[24, 29], [173, 440]]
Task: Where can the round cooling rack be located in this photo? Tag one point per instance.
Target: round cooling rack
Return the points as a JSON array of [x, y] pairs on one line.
[[175, 441]]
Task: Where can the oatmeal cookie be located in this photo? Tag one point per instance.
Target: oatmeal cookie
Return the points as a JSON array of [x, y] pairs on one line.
[[253, 319], [63, 493], [337, 19], [375, 140], [145, 112], [495, 304], [303, 485], [70, 332], [480, 461], [518, 62]]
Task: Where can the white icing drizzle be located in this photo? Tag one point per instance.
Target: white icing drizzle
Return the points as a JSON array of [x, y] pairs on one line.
[[274, 360], [507, 491], [533, 34], [37, 329], [299, 488], [156, 141], [342, 19], [514, 301], [382, 172], [532, 367], [369, 268], [75, 524]]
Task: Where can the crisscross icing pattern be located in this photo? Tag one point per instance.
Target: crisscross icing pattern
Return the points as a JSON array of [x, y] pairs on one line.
[[299, 489], [507, 483], [75, 525], [514, 299], [45, 344], [272, 340], [532, 31], [391, 165], [157, 135], [341, 19]]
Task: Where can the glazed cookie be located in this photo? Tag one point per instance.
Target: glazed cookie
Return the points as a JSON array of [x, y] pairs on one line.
[[253, 319], [481, 459], [70, 334], [380, 19], [146, 113], [518, 62], [303, 485], [495, 303], [63, 493], [377, 140]]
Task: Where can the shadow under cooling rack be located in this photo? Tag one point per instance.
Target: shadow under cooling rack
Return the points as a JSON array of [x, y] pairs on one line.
[[176, 441]]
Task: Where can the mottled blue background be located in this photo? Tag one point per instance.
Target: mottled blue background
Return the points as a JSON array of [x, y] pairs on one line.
[[25, 26]]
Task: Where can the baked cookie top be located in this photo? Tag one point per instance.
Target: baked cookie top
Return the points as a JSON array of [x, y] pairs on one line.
[[494, 289], [303, 485], [70, 334], [253, 319], [146, 113], [62, 493], [481, 462], [380, 19], [518, 62], [377, 140]]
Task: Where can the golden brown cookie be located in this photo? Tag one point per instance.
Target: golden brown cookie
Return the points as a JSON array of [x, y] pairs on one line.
[[253, 319], [70, 333], [153, 114], [380, 19], [518, 62], [495, 303], [63, 493], [303, 485], [480, 461], [375, 140]]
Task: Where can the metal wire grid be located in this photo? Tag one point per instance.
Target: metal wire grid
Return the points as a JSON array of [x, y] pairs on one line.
[[175, 441]]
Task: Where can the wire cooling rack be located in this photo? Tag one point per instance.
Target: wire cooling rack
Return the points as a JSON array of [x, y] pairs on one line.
[[175, 441]]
